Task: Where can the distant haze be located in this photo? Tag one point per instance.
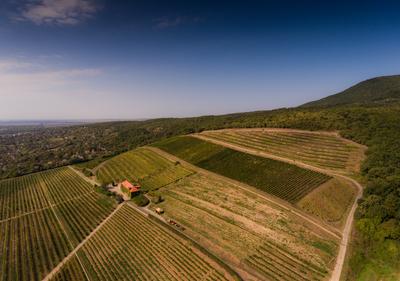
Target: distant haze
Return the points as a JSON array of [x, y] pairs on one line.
[[110, 59]]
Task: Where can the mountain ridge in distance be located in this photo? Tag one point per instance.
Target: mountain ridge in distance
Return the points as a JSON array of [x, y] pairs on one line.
[[383, 89]]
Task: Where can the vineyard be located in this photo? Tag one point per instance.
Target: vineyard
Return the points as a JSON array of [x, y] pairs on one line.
[[63, 184], [144, 166], [274, 263], [322, 150], [20, 196], [132, 247], [31, 246], [71, 271], [82, 215], [280, 179], [44, 215], [248, 230]]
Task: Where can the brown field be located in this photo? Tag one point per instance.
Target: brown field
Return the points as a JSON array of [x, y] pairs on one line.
[[252, 233], [330, 202]]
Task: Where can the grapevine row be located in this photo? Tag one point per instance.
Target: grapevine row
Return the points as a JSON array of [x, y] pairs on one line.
[[143, 165], [324, 151], [131, 247], [32, 246]]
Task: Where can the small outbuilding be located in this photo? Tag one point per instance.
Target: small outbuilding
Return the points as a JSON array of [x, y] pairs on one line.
[[159, 211], [130, 189]]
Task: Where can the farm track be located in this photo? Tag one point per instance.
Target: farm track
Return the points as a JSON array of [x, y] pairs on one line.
[[144, 211], [242, 272], [326, 228], [326, 150], [336, 273], [80, 245], [93, 182], [48, 207], [275, 200]]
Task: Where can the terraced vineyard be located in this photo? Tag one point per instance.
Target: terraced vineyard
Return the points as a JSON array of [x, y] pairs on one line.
[[250, 231], [131, 247], [320, 149], [144, 166], [280, 179], [43, 216]]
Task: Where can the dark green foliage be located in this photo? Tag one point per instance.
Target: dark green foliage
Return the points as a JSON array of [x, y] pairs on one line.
[[103, 189], [87, 172], [283, 180], [377, 90], [191, 149], [140, 200]]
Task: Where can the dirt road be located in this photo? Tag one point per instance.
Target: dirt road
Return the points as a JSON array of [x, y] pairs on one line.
[[279, 202], [350, 219], [89, 180], [76, 249]]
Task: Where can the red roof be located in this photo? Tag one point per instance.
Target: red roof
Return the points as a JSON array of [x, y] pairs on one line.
[[131, 187], [127, 184]]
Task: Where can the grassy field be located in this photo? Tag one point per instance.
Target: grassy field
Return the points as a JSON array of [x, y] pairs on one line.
[[330, 202], [280, 179], [248, 230], [132, 247], [43, 216], [321, 150], [144, 166]]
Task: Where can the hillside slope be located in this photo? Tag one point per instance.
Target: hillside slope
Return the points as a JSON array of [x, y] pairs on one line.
[[376, 90]]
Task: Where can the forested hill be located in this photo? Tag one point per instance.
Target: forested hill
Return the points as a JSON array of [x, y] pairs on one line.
[[383, 89]]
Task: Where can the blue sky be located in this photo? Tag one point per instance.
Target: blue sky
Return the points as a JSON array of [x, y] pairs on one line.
[[72, 59]]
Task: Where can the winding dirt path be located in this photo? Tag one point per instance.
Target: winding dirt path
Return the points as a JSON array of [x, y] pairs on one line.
[[336, 273]]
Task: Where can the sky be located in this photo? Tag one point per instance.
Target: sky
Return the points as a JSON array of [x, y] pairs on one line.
[[113, 59]]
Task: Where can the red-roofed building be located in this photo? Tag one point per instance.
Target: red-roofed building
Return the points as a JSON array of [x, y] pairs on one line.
[[130, 189]]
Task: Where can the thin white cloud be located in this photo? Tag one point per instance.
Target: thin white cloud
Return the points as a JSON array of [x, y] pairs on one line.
[[59, 12], [24, 78], [6, 65], [168, 22], [37, 90]]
